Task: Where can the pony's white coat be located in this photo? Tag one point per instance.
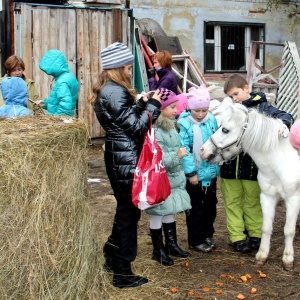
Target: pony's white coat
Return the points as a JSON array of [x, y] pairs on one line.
[[279, 169]]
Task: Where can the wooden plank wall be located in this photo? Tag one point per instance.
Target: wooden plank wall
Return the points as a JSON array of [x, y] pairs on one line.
[[103, 28], [23, 41], [89, 46], [39, 30], [80, 34]]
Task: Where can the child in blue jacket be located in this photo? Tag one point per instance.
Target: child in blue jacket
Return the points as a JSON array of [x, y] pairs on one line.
[[197, 124], [15, 95], [64, 94]]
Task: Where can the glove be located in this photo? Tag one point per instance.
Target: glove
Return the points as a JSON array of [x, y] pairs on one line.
[[283, 131], [141, 95], [151, 73]]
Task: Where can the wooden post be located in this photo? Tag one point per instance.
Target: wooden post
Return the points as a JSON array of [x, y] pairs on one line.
[[196, 69], [180, 76], [250, 64], [185, 75]]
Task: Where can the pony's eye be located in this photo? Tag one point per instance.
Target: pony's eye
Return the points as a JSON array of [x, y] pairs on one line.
[[224, 130]]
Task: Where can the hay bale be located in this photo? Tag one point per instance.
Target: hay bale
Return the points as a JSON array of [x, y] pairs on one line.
[[47, 248]]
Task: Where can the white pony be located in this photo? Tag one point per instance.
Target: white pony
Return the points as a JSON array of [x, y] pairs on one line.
[[278, 163]]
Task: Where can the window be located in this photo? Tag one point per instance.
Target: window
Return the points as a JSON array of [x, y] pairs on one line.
[[226, 46]]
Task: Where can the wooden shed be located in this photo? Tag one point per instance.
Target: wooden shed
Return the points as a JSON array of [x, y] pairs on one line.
[[80, 32]]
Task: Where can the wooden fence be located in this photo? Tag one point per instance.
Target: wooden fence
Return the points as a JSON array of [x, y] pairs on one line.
[[80, 33]]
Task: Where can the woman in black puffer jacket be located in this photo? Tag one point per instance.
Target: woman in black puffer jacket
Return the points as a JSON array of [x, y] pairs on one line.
[[125, 121]]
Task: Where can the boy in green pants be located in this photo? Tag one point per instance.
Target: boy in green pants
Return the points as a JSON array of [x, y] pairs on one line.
[[239, 184]]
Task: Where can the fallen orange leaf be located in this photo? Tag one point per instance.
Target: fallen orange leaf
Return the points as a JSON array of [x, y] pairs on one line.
[[187, 263], [219, 292], [248, 276], [199, 297], [191, 293], [206, 289], [244, 278], [174, 290], [225, 275], [219, 283], [240, 296], [262, 275], [253, 291]]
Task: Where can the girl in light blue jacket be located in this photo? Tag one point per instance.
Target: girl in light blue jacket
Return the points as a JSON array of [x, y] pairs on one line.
[[15, 95], [64, 94], [196, 126]]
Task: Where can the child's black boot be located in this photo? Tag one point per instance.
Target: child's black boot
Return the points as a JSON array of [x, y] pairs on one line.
[[171, 241], [159, 251]]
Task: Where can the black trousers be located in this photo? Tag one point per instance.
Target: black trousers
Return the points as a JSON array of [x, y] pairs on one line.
[[201, 217], [121, 246]]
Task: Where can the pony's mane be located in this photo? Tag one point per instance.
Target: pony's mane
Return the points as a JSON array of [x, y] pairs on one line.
[[262, 132]]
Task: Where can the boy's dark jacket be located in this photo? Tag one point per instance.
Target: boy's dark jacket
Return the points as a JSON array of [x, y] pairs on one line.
[[243, 167]]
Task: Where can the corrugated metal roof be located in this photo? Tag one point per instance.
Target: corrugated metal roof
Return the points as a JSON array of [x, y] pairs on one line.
[[289, 76]]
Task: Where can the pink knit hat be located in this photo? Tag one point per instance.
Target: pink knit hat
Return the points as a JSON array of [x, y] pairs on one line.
[[198, 98], [295, 135], [167, 97]]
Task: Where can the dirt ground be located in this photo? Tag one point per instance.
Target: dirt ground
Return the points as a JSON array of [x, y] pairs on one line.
[[214, 275]]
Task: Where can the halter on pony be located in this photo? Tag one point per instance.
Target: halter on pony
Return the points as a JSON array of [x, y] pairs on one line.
[[238, 141]]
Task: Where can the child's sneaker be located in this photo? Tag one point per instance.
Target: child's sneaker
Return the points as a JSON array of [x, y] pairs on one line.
[[241, 246], [209, 241], [254, 242], [202, 248]]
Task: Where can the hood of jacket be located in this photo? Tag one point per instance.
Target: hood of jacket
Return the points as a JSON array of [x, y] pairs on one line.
[[54, 63], [165, 123], [14, 91], [256, 99], [163, 71], [186, 113]]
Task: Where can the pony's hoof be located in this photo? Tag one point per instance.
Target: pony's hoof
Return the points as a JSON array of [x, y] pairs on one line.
[[288, 266], [259, 263]]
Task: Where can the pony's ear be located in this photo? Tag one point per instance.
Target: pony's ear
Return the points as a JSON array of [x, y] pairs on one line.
[[227, 100], [219, 109], [241, 106]]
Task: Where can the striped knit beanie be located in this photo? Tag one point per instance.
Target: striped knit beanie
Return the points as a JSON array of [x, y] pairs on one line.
[[115, 56], [167, 97]]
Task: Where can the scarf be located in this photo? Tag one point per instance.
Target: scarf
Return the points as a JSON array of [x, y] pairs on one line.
[[197, 139]]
